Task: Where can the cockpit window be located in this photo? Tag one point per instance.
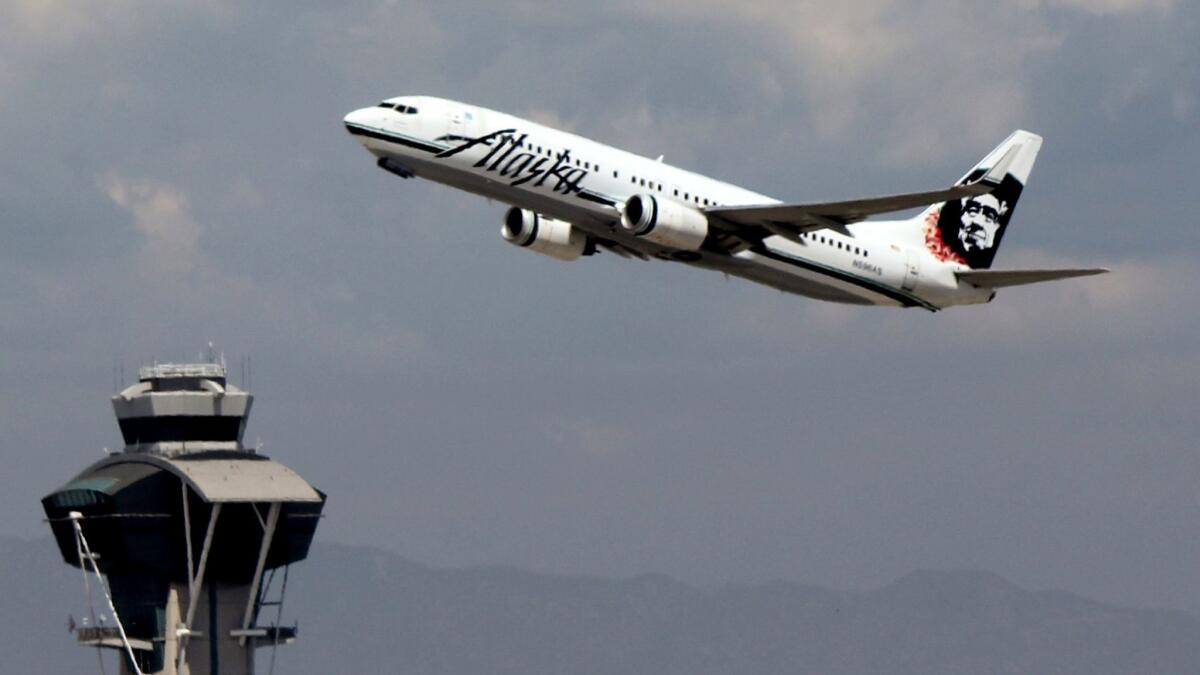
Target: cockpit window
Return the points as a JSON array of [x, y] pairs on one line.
[[399, 107]]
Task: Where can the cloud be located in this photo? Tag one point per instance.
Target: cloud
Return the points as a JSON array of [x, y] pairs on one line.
[[170, 235], [1117, 7], [1183, 104], [925, 79], [549, 118], [51, 24], [587, 435], [48, 25], [36, 34]]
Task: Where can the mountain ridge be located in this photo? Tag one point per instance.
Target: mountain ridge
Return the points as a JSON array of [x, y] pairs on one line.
[[373, 610]]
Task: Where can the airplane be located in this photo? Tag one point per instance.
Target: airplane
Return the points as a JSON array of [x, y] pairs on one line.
[[572, 197]]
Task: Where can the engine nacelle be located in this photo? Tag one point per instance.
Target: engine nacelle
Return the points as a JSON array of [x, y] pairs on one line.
[[555, 238], [664, 222]]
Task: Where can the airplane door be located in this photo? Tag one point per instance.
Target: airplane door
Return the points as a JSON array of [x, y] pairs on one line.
[[461, 122], [912, 270]]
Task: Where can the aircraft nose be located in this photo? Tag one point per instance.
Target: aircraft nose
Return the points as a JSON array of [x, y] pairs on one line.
[[358, 117]]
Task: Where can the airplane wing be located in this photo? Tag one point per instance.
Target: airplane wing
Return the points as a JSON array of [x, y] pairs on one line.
[[1002, 278], [792, 220]]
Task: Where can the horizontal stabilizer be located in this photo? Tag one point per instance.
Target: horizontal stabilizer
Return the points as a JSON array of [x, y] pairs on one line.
[[1002, 278]]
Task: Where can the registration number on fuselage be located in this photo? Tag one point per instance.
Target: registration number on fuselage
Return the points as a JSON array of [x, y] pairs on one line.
[[868, 267]]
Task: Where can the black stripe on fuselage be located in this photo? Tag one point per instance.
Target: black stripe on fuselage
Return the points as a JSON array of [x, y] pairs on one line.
[[356, 130], [873, 286]]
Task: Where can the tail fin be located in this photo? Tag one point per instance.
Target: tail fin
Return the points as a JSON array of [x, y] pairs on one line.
[[969, 231]]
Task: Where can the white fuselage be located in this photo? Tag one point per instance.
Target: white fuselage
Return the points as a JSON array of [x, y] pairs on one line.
[[577, 180]]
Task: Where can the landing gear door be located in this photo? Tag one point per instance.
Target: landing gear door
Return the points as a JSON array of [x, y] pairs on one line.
[[912, 270]]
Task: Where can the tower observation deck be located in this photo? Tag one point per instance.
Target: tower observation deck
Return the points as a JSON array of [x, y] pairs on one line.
[[187, 526]]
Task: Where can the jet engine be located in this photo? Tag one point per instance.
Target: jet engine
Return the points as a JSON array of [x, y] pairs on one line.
[[664, 222], [555, 238]]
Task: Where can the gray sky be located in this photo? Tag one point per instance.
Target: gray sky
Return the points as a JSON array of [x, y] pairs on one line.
[[175, 175]]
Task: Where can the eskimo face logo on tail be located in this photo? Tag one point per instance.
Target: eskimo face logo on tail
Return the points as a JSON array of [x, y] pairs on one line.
[[968, 231], [510, 155], [980, 221]]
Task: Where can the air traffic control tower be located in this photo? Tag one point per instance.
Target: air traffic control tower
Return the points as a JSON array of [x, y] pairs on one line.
[[186, 533]]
